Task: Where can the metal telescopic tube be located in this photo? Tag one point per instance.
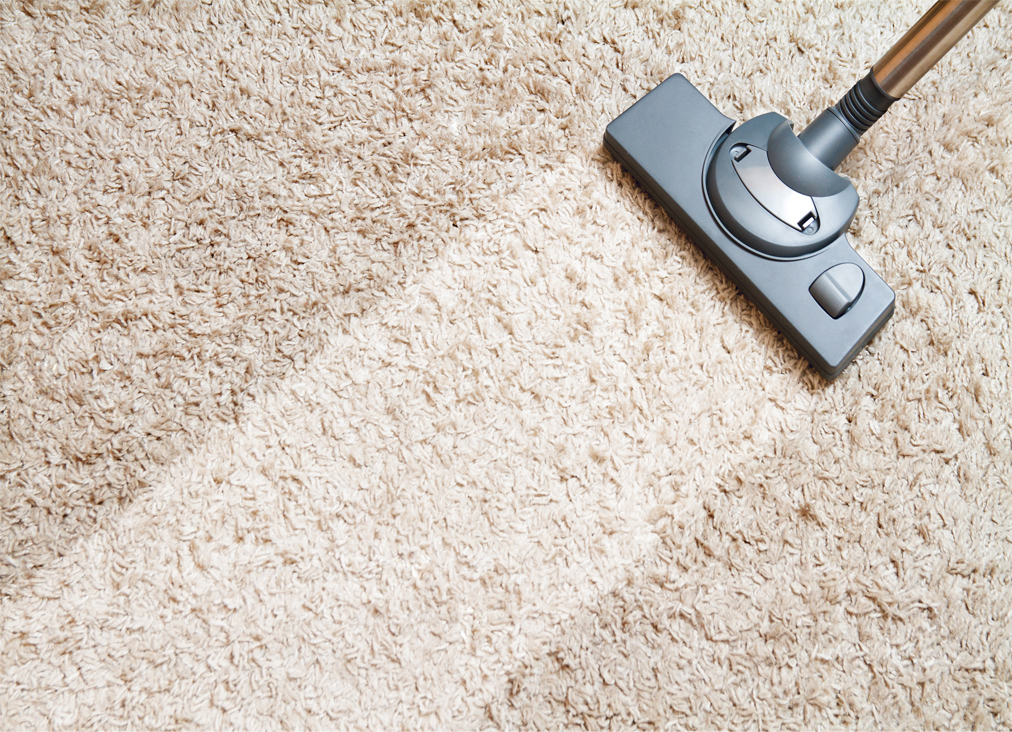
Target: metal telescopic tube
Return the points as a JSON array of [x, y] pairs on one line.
[[834, 133], [923, 45]]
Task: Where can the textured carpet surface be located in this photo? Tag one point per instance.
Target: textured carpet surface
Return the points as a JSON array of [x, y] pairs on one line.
[[348, 382]]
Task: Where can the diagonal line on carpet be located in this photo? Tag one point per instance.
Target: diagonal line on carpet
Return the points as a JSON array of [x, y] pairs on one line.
[[357, 387]]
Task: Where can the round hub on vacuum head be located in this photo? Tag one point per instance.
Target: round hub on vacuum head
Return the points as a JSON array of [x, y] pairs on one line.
[[773, 195]]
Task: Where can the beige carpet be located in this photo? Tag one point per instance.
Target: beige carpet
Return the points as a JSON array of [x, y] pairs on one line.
[[347, 382]]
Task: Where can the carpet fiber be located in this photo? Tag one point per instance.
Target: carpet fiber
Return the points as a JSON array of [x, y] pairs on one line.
[[348, 382]]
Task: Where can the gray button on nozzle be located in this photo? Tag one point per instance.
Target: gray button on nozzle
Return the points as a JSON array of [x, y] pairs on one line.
[[837, 289]]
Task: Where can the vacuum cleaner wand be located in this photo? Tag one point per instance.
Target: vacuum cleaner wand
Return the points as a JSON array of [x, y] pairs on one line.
[[835, 132], [765, 203]]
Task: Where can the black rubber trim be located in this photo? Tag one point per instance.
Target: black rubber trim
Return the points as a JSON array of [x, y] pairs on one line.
[[864, 104]]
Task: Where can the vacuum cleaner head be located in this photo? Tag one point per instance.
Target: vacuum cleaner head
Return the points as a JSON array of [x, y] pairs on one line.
[[783, 245], [766, 205]]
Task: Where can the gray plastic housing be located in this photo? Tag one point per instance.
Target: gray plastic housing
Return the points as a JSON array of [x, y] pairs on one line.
[[748, 218], [666, 140], [830, 138]]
